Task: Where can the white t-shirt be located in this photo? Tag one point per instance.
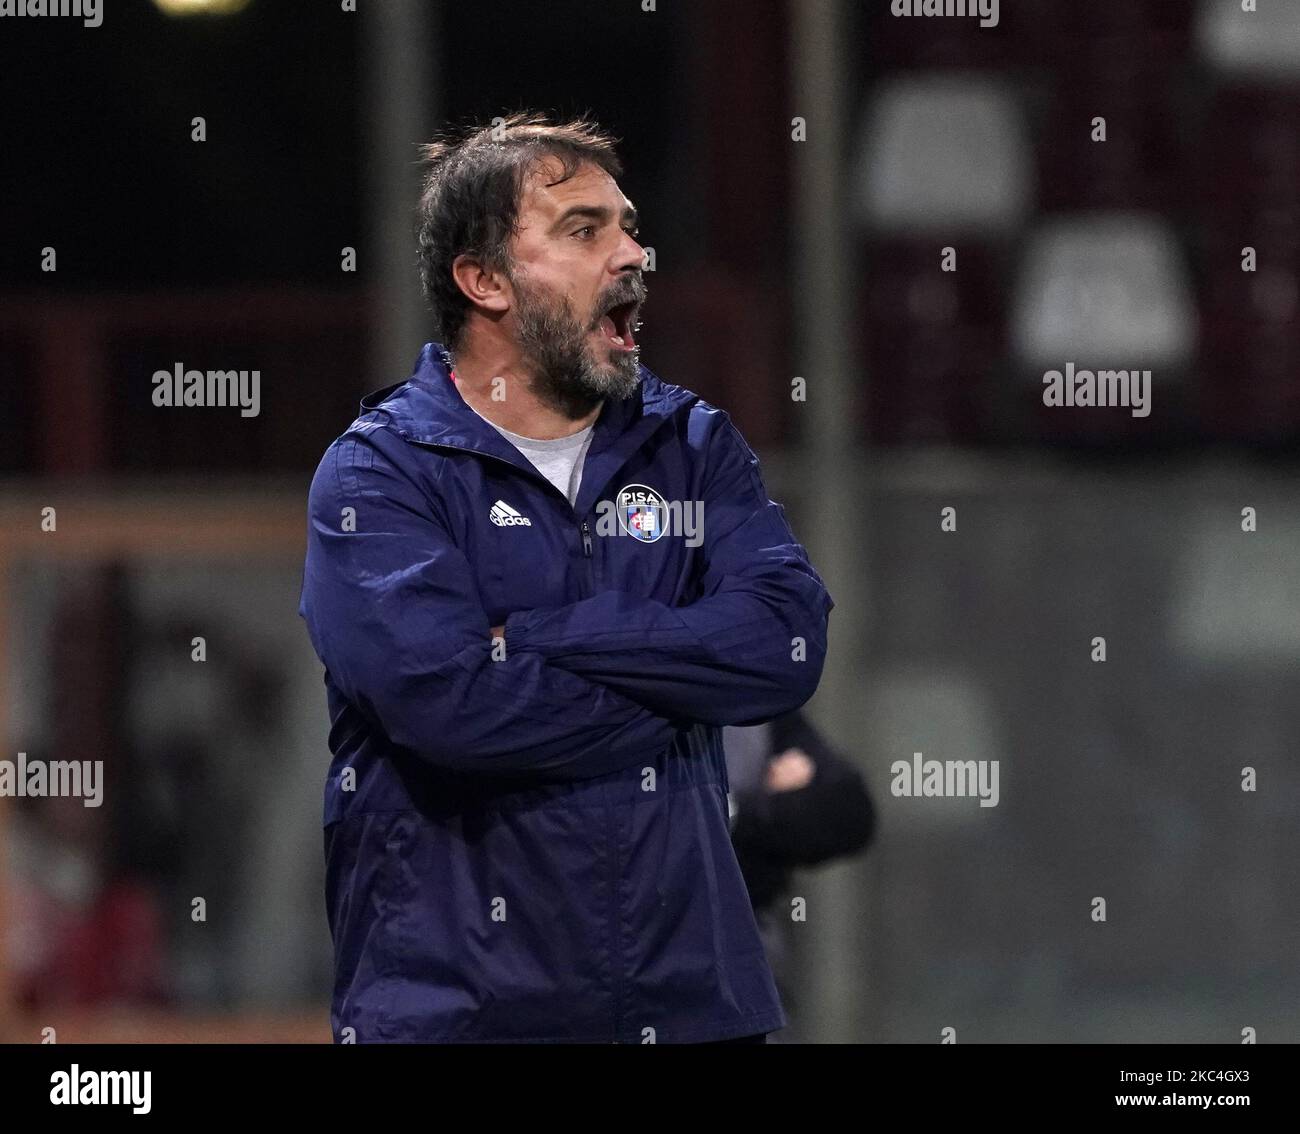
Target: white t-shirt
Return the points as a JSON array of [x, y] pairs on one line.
[[560, 460]]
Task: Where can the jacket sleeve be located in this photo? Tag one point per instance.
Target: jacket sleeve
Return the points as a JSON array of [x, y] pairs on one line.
[[830, 817], [749, 648], [394, 613]]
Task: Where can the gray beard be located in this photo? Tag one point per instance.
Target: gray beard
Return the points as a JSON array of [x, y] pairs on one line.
[[566, 375]]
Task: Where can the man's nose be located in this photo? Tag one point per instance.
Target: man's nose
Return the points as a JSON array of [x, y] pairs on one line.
[[630, 255]]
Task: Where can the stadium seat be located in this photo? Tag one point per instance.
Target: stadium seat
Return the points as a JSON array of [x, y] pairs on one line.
[[942, 153], [1263, 45], [942, 162], [1104, 291]]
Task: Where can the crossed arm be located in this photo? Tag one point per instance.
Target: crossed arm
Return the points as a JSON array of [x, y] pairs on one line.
[[584, 688]]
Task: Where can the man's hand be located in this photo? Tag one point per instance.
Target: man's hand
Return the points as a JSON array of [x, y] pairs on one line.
[[791, 770]]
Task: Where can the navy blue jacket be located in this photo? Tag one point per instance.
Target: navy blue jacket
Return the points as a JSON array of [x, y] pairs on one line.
[[528, 841]]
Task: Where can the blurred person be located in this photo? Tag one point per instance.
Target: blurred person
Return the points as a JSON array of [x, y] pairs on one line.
[[794, 803], [541, 580], [86, 925], [83, 932]]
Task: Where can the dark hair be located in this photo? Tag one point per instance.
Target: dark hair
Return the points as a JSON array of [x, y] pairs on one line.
[[469, 202]]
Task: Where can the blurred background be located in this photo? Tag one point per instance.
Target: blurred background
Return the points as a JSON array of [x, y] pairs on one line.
[[809, 174]]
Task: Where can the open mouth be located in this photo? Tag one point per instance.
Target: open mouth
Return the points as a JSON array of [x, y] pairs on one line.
[[617, 324]]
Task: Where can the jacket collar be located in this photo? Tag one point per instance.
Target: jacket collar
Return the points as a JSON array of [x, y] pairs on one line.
[[427, 409]]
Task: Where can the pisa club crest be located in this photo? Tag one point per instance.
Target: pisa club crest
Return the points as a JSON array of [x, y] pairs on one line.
[[641, 512]]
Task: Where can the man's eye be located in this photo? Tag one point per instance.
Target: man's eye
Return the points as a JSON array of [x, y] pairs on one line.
[[632, 231], [585, 228]]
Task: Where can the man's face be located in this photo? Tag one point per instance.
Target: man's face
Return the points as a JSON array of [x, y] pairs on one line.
[[577, 287]]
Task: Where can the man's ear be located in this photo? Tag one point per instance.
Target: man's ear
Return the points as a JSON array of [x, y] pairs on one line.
[[486, 289]]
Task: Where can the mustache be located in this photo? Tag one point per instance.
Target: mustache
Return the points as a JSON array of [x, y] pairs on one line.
[[633, 290]]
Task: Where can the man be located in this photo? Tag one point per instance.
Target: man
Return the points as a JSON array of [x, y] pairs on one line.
[[530, 652], [795, 803]]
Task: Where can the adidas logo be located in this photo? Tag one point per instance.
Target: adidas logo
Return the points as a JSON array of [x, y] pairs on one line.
[[505, 516]]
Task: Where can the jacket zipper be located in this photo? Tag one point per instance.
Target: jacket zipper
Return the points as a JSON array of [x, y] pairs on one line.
[[611, 832], [591, 562]]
